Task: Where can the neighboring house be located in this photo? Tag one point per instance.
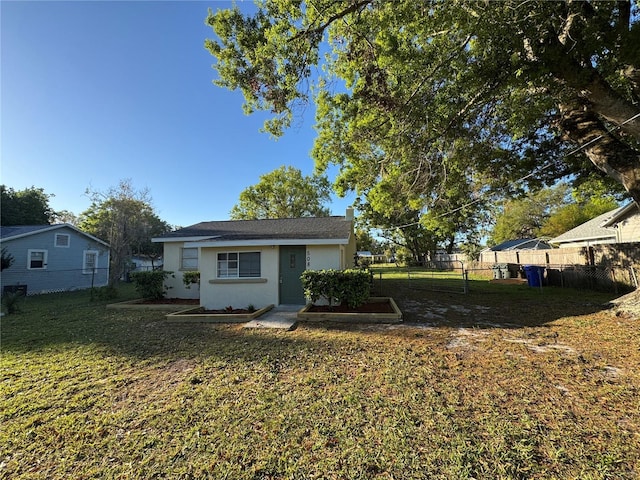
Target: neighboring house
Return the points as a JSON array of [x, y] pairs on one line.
[[256, 262], [53, 258], [145, 263], [621, 225]]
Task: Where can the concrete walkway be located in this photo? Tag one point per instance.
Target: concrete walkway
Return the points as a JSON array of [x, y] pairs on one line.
[[283, 317]]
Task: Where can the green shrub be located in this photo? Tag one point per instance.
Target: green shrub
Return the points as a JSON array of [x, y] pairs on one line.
[[150, 285], [189, 278], [108, 292], [350, 287]]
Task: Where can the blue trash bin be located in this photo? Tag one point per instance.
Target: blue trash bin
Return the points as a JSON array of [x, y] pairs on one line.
[[534, 274]]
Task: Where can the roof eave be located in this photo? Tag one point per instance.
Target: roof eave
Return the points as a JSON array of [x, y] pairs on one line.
[[266, 242], [193, 238], [582, 239], [619, 214]]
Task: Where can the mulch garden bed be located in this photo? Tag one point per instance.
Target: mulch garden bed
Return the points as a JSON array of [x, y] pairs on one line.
[[222, 311], [170, 301], [370, 307]]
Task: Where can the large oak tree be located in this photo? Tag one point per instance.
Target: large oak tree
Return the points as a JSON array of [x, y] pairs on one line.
[[438, 104]]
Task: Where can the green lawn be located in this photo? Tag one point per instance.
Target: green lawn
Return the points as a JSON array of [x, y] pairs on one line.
[[505, 382]]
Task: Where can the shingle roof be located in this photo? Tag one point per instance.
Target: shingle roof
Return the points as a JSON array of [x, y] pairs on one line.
[[590, 230], [266, 229]]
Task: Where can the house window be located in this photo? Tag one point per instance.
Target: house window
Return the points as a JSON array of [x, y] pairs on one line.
[[37, 259], [238, 265], [90, 261], [63, 240], [189, 259]]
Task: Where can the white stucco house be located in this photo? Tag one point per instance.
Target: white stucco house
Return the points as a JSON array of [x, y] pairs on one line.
[[255, 262], [621, 225]]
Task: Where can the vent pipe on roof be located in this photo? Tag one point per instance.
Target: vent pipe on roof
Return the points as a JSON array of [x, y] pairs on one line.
[[349, 214]]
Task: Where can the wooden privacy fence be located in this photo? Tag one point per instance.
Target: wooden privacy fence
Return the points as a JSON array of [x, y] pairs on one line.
[[621, 254], [594, 267]]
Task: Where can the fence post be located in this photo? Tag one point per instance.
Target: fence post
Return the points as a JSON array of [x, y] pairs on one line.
[[465, 278]]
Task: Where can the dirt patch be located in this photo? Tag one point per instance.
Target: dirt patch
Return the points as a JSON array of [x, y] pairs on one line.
[[153, 384]]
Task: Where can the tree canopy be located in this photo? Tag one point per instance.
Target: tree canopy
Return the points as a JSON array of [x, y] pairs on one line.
[[125, 218], [436, 106], [284, 193], [25, 207]]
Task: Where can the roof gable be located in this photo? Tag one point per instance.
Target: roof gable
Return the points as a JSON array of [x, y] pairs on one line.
[[629, 210], [596, 228], [15, 232], [305, 228]]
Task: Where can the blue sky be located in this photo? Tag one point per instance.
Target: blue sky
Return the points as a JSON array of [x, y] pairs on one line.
[[95, 92]]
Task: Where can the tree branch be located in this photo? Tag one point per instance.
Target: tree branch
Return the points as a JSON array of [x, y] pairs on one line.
[[337, 16]]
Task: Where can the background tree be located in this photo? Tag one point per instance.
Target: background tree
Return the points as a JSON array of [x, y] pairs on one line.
[[550, 212], [284, 193], [588, 201], [524, 217], [124, 217], [365, 242], [25, 207], [66, 216], [508, 96]]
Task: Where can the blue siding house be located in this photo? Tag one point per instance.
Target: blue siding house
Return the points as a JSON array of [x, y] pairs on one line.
[[52, 258]]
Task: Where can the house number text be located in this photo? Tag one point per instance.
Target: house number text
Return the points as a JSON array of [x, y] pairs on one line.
[[308, 259]]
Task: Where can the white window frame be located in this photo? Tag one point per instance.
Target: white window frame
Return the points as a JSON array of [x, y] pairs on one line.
[[223, 270], [60, 235], [183, 258], [45, 255], [86, 268]]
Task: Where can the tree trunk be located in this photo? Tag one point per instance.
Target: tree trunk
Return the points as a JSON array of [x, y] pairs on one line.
[[606, 151]]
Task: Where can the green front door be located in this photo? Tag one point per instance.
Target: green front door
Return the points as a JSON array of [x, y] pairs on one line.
[[292, 264]]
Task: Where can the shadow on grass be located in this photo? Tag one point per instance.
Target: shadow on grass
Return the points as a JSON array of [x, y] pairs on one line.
[[490, 305], [58, 320]]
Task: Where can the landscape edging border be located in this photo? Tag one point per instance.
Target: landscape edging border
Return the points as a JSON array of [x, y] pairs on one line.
[[395, 317], [183, 316]]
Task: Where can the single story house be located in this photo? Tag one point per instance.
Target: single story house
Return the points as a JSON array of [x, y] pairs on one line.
[[52, 258], [621, 225], [255, 262]]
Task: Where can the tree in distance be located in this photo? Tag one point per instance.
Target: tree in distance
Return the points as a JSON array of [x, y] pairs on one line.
[[25, 207], [550, 212], [284, 193], [125, 218]]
